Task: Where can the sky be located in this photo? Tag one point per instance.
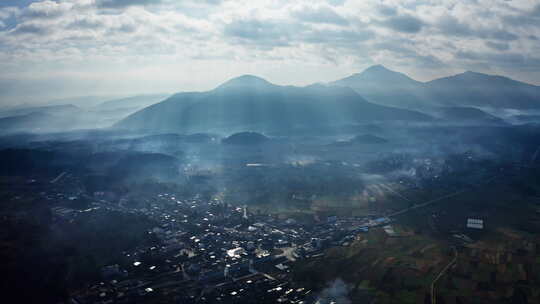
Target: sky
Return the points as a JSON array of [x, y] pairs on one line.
[[56, 49]]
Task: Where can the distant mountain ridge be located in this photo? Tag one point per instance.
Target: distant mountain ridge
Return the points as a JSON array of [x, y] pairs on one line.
[[381, 85], [55, 109], [139, 101], [252, 103], [477, 89]]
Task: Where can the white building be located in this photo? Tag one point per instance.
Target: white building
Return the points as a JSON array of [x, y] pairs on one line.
[[475, 223]]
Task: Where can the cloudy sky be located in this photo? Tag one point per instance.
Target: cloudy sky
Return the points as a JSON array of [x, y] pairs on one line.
[[91, 47]]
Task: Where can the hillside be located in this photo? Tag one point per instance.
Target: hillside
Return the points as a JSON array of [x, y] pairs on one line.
[[66, 109], [245, 138], [32, 122], [467, 115]]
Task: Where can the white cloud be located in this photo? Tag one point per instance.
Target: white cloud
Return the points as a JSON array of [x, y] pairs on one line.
[[179, 41], [47, 9]]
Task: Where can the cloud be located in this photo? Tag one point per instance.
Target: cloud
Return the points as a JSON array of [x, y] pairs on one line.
[[404, 24], [170, 44], [47, 9], [267, 32], [498, 46], [507, 59], [453, 27], [386, 10], [337, 38], [320, 15], [125, 3], [336, 2], [536, 11], [86, 23], [15, 3], [500, 35], [31, 29]]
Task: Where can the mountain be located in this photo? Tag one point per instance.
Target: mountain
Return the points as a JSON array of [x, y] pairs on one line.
[[245, 138], [386, 87], [477, 89], [383, 86], [368, 139], [53, 110], [377, 74], [82, 101], [37, 122], [22, 123], [134, 102], [252, 103]]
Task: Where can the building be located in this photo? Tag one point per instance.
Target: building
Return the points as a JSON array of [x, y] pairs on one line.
[[475, 223]]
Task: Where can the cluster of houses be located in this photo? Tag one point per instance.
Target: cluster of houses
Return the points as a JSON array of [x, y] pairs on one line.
[[210, 251]]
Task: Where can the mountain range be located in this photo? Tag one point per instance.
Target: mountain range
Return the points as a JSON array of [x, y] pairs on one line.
[[252, 103], [133, 102], [469, 89]]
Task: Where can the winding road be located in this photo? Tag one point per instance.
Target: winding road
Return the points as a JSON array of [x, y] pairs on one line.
[[445, 269]]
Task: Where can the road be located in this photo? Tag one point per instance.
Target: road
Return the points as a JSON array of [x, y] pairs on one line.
[[395, 192], [58, 177], [445, 269], [422, 205], [428, 202]]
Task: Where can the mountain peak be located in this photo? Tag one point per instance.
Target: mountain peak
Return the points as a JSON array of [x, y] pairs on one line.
[[476, 76], [378, 68], [472, 73], [246, 81], [376, 75]]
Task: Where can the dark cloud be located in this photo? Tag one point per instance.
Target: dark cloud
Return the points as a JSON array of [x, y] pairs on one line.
[[536, 11], [387, 10], [269, 33], [498, 46], [404, 51], [452, 26], [17, 3], [126, 28], [33, 14], [500, 35], [503, 60], [272, 33], [524, 18], [337, 38], [404, 24], [320, 15], [86, 24], [125, 3], [336, 2], [212, 2]]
